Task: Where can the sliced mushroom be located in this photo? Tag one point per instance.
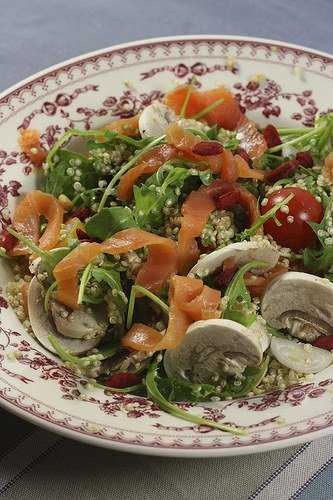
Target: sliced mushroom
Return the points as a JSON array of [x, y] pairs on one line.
[[79, 324], [154, 119], [212, 349], [242, 253], [300, 302], [43, 326], [300, 357]]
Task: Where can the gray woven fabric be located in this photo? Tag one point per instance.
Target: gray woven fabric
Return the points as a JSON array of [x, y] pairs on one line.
[[36, 464]]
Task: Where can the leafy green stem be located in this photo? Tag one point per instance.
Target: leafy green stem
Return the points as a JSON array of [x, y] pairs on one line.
[[131, 303], [47, 295], [251, 231], [65, 138], [164, 404], [187, 98], [86, 275], [85, 361], [313, 132], [126, 167], [208, 109]]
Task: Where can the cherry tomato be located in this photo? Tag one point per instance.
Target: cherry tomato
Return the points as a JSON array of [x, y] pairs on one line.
[[294, 232]]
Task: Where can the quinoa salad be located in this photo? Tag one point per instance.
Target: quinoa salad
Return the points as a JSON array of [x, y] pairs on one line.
[[184, 254]]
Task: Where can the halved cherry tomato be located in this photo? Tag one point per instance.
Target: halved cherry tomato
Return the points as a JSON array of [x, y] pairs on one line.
[[294, 231]]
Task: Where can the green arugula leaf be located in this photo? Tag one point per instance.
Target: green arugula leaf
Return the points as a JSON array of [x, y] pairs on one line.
[[181, 390], [322, 229], [158, 191], [239, 298], [49, 258], [164, 404], [85, 361], [213, 132], [252, 378], [136, 289], [270, 214], [59, 182], [127, 166], [318, 261], [316, 139], [109, 221]]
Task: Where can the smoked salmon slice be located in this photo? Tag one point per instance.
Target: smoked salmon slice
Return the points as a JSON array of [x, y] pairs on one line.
[[226, 115], [258, 284], [141, 338], [244, 171], [251, 140], [125, 126], [195, 212], [160, 265], [26, 220], [29, 142], [189, 300], [185, 142], [149, 163]]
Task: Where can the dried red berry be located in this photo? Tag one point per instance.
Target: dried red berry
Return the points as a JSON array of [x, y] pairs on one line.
[[83, 236], [228, 200], [207, 148], [271, 136], [241, 152], [81, 213], [286, 169], [305, 159], [122, 380], [7, 240], [324, 342], [224, 276]]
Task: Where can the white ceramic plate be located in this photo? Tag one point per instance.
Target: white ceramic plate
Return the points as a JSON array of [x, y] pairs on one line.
[[87, 92]]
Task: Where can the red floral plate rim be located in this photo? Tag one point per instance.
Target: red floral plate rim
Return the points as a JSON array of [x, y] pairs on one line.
[[189, 450]]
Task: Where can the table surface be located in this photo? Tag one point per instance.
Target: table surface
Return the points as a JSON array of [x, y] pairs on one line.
[[35, 34]]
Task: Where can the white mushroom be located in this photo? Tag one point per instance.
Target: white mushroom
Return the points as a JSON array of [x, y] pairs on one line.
[[80, 323], [154, 119], [242, 253], [213, 348], [300, 357], [300, 302], [42, 326]]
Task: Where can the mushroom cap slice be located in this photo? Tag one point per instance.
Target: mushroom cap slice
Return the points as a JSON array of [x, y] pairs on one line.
[[301, 302], [242, 252], [212, 348], [155, 119], [300, 357], [79, 324], [43, 327]]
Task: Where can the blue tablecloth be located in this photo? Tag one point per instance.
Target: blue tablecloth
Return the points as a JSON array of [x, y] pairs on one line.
[[36, 464]]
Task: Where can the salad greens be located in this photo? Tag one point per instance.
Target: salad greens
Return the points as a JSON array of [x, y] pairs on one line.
[[109, 221], [136, 289], [108, 286], [164, 404], [238, 296]]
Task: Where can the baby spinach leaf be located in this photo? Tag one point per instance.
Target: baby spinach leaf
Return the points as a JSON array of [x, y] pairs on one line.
[[109, 221]]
